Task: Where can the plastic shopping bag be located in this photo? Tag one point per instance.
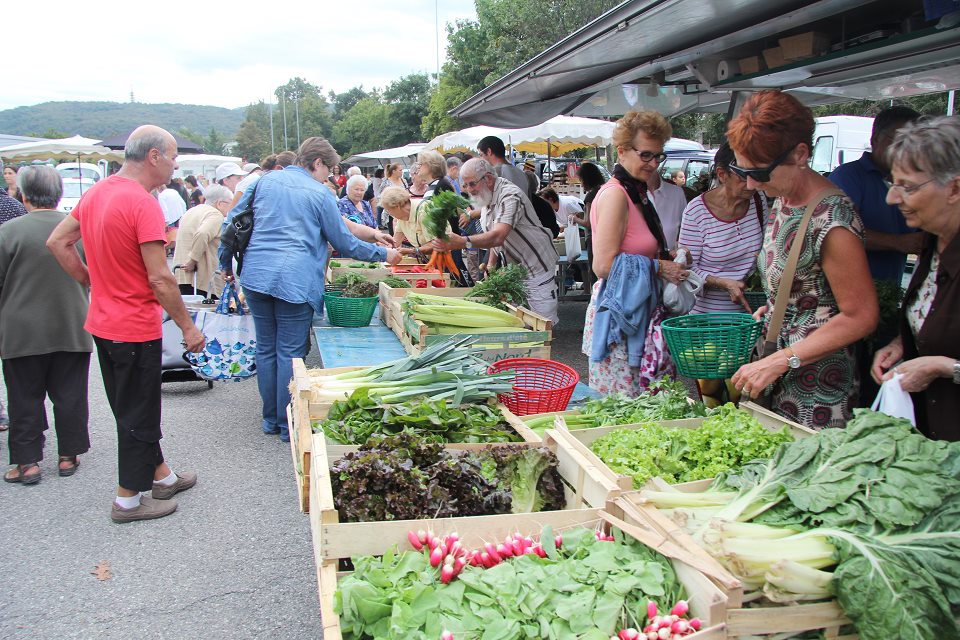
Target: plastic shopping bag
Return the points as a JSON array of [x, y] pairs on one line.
[[679, 299], [572, 239], [231, 342], [894, 401]]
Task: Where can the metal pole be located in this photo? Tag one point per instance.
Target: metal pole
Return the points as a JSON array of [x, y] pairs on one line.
[[296, 107], [283, 106], [950, 102], [273, 147]]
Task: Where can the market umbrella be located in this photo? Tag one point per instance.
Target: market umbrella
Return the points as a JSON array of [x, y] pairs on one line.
[[372, 158], [74, 148], [183, 145]]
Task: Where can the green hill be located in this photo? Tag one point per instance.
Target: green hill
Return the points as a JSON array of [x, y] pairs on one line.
[[102, 119]]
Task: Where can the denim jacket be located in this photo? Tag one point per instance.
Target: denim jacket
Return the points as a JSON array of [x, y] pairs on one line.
[[294, 218], [625, 303]]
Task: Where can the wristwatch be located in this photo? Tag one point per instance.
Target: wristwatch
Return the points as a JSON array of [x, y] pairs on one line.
[[793, 360], [956, 372], [469, 244]]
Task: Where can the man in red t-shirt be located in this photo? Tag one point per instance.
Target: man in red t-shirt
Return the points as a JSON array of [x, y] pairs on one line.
[[122, 228]]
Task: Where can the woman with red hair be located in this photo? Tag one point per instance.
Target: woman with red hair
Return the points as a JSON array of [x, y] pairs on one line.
[[812, 376]]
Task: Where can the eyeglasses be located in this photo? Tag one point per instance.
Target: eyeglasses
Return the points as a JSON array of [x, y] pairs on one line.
[[761, 175], [647, 156], [909, 190], [473, 183]]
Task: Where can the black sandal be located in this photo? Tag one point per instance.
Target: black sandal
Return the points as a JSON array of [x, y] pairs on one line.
[[69, 471], [21, 476]]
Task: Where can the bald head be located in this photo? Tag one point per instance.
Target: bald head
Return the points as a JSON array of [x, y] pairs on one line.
[[145, 138], [475, 168]]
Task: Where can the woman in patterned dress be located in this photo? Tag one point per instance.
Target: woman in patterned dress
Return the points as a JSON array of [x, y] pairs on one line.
[[925, 157], [812, 377]]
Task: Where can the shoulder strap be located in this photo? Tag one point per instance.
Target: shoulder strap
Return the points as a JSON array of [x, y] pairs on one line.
[[758, 204], [790, 269]]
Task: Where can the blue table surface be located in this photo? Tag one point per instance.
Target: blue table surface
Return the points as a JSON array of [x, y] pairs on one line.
[[375, 344]]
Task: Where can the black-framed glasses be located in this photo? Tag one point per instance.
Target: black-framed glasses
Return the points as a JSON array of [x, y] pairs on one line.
[[761, 175], [909, 190], [647, 156]]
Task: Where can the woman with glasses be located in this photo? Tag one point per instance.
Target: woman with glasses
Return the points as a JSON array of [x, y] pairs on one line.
[[812, 377], [925, 161], [629, 254]]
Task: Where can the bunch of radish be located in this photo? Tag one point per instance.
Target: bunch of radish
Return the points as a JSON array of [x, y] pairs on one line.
[[672, 626]]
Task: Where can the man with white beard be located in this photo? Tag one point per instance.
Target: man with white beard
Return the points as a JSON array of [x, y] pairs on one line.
[[512, 229]]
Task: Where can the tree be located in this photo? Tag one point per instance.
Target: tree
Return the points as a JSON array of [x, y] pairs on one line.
[[214, 142], [50, 133], [410, 98], [343, 102], [253, 142], [448, 94], [364, 127], [191, 135]]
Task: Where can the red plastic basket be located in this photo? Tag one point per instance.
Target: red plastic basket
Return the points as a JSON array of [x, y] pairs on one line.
[[541, 386]]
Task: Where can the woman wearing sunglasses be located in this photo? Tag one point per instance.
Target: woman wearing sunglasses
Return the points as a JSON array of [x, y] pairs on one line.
[[925, 157], [832, 303], [622, 327]]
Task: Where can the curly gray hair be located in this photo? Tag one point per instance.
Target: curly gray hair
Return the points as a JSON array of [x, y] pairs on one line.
[[929, 145]]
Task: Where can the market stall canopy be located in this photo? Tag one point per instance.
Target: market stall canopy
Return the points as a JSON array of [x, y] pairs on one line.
[[564, 133], [201, 163], [74, 148], [678, 56], [394, 154], [183, 145]]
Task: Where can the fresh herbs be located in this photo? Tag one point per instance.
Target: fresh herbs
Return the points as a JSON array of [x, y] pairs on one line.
[[587, 588], [503, 285], [356, 420], [356, 286], [404, 477], [396, 283], [724, 441], [877, 502]]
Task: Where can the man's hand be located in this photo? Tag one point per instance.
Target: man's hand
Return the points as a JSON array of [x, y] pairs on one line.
[[385, 239], [455, 242], [393, 257], [193, 340]]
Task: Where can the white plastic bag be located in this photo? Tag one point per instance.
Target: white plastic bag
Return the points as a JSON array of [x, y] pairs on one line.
[[894, 401], [572, 239], [679, 299]]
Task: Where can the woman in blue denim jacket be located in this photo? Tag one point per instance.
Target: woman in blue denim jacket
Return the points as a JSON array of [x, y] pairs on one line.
[[295, 217]]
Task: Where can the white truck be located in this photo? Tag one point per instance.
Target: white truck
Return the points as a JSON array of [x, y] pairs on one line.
[[839, 139]]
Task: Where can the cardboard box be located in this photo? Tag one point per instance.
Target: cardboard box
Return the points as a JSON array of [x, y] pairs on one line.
[[773, 57], [804, 45], [749, 65]]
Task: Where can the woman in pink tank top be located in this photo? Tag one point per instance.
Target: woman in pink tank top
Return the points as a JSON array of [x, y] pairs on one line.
[[623, 220]]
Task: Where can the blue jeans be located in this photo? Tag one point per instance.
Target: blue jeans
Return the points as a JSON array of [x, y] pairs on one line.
[[283, 333]]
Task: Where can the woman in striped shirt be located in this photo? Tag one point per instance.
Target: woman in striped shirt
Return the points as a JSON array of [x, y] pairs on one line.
[[723, 231]]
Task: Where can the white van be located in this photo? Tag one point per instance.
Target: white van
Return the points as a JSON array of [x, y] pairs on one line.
[[80, 170], [839, 139]]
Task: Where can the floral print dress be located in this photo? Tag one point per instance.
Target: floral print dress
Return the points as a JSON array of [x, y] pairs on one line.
[[614, 374], [824, 393]]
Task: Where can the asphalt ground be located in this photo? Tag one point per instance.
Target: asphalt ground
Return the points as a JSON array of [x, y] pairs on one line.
[[235, 561]]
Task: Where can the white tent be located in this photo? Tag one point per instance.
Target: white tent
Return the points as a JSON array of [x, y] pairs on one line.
[[374, 158], [195, 164], [74, 148], [562, 133]]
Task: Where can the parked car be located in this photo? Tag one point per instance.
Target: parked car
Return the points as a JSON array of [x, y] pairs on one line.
[[693, 163], [73, 189], [83, 170]]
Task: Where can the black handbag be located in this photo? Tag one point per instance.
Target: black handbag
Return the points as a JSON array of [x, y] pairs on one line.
[[236, 237]]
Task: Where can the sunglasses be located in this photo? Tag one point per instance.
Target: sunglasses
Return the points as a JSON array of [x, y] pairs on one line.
[[647, 156], [760, 175]]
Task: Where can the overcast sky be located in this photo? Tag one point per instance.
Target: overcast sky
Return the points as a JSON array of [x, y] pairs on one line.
[[213, 53]]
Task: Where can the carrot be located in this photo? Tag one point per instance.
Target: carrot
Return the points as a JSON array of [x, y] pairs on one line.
[[451, 265], [433, 260]]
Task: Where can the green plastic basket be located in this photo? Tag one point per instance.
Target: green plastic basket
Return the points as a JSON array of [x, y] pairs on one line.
[[348, 312], [711, 345], [755, 299]]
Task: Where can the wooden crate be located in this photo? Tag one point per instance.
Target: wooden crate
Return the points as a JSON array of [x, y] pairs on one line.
[[541, 331], [582, 489], [740, 621], [374, 538], [303, 441], [581, 439], [490, 355], [390, 294], [304, 408], [373, 275]]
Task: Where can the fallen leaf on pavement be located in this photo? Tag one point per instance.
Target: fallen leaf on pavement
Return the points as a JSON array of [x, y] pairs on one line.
[[102, 571]]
